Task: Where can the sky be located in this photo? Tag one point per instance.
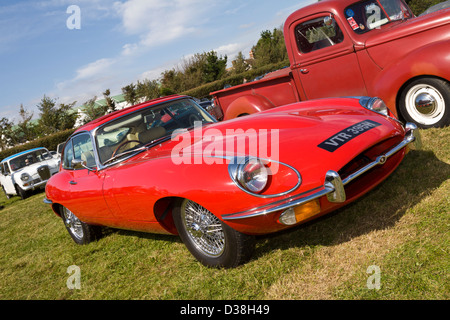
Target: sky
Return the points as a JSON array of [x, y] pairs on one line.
[[73, 50]]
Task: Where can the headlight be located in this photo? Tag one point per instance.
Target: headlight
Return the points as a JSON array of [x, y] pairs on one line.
[[253, 175], [375, 104], [25, 177]]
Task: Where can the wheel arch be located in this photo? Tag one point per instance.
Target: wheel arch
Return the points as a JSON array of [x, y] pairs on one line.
[[163, 211], [247, 104]]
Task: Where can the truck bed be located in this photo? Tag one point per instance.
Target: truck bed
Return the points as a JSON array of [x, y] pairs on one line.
[[276, 89]]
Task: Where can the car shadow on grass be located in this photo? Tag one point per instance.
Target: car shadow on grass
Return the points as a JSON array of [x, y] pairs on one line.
[[418, 175]]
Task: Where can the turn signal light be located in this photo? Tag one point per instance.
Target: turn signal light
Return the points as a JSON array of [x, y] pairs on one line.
[[300, 213]]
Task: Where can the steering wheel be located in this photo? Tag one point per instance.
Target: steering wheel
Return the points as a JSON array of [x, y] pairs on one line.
[[124, 143], [193, 118]]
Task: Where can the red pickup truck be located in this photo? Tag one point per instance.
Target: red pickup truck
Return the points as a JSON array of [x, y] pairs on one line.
[[374, 48]]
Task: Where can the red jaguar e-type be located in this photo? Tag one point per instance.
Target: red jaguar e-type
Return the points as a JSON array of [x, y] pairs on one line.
[[166, 166]]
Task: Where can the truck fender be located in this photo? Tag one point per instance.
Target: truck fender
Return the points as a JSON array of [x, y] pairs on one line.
[[246, 105], [430, 61]]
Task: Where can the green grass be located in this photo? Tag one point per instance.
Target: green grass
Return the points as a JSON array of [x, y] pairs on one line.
[[402, 227]]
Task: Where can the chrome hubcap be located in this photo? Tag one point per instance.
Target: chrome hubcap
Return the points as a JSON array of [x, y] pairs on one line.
[[203, 228], [73, 224], [425, 104]]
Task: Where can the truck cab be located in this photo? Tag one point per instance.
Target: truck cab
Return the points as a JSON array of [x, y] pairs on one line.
[[372, 48]]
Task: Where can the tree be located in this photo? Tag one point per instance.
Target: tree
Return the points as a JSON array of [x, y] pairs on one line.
[[240, 64], [48, 120], [129, 93], [25, 129], [66, 116], [147, 89], [270, 48], [214, 68], [91, 110], [55, 118], [110, 103], [6, 133]]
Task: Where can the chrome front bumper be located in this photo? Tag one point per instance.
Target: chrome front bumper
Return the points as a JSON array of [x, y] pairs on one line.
[[34, 186], [333, 187]]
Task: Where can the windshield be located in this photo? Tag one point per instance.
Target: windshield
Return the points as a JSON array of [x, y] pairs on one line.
[[29, 158], [141, 128], [372, 14]]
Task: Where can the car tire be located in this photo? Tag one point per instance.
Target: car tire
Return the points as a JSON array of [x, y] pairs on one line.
[[21, 193], [209, 240], [81, 233], [434, 107]]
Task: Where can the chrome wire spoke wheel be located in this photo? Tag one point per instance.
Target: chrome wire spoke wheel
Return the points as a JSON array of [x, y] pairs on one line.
[[203, 228], [73, 224]]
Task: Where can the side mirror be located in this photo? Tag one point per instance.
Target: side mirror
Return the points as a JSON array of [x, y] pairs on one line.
[[80, 164]]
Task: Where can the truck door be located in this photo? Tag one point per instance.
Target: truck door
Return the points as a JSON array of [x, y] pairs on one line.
[[325, 59]]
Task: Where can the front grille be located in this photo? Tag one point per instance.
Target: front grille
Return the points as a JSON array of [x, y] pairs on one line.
[[44, 172], [368, 156]]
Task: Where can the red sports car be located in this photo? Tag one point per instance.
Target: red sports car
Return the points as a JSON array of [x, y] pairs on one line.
[[166, 166]]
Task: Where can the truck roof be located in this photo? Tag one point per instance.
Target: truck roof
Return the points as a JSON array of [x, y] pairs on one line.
[[317, 7]]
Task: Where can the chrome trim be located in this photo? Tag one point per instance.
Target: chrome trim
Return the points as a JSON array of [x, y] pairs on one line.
[[333, 186], [47, 201], [367, 103], [238, 162], [333, 181]]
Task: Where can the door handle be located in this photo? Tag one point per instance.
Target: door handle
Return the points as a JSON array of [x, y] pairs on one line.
[[72, 182], [304, 71]]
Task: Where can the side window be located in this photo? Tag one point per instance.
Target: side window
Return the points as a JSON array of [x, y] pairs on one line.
[[84, 150], [6, 168], [68, 156], [318, 33]]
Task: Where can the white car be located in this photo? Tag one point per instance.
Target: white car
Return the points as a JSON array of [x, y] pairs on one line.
[[27, 170]]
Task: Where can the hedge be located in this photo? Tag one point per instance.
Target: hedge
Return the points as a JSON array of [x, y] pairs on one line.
[[205, 90]]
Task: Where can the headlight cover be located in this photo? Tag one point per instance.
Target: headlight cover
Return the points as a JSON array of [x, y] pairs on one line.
[[375, 104], [25, 177], [261, 177], [253, 175]]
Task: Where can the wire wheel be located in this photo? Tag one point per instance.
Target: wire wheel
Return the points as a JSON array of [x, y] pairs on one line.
[[203, 228], [73, 224]]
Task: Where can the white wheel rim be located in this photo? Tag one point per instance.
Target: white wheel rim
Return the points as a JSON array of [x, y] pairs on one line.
[[425, 104]]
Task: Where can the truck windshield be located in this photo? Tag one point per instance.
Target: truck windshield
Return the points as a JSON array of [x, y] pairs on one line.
[[372, 14]]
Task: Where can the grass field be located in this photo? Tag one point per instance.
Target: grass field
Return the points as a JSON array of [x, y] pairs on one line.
[[400, 229]]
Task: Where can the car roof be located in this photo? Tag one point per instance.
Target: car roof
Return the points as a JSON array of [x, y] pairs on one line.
[[21, 153], [117, 114]]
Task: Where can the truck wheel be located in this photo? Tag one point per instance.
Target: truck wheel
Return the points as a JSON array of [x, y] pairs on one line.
[[80, 232], [209, 240], [426, 102]]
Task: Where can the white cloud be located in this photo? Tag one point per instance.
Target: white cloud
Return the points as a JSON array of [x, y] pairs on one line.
[[160, 22], [94, 69]]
